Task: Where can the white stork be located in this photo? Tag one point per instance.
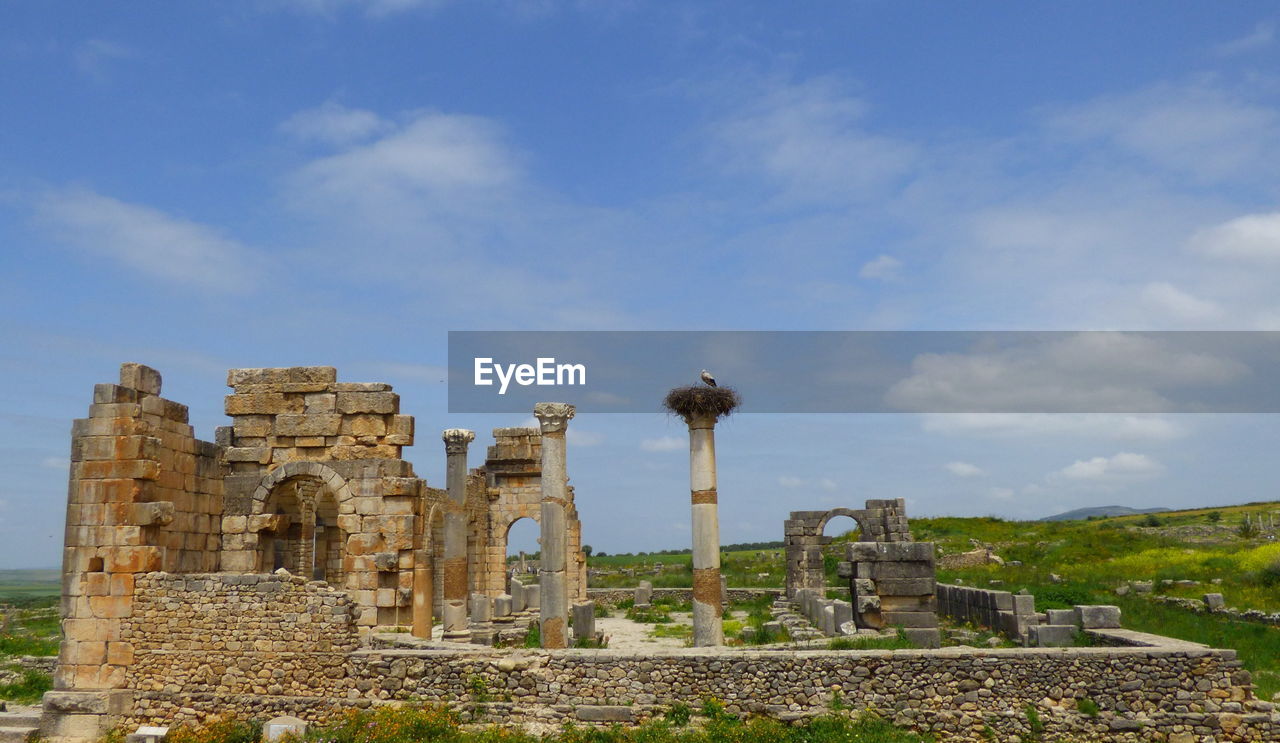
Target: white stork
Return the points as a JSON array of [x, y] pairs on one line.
[[707, 378]]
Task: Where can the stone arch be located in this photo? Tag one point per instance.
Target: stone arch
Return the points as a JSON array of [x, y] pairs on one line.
[[880, 521], [295, 522], [335, 483], [858, 517]]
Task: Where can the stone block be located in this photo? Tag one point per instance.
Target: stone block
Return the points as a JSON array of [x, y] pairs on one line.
[[263, 403], [285, 375], [147, 734], [313, 424], [603, 713], [502, 606], [278, 727], [923, 637], [1098, 617], [1214, 602], [1024, 603], [532, 597], [644, 593], [905, 586], [382, 403], [584, 620], [141, 378], [1060, 616], [1052, 635], [909, 619]]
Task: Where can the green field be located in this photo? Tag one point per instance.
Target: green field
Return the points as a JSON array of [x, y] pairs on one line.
[[1075, 562], [17, 586]]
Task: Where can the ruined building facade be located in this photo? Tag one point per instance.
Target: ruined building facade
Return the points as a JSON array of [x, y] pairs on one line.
[[309, 477]]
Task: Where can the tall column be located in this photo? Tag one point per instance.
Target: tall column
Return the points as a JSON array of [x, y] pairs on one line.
[[553, 612], [707, 607], [455, 535]]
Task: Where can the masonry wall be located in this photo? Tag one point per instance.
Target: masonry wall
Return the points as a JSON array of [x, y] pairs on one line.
[[1143, 693], [208, 636], [144, 495]]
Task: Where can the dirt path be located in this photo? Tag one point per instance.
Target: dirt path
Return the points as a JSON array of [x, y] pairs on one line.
[[625, 634]]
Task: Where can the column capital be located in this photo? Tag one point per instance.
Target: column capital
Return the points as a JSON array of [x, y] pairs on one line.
[[554, 416], [456, 440]]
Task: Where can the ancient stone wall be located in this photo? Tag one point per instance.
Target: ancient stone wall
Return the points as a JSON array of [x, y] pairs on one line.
[[879, 521], [317, 485], [218, 635], [144, 495], [1142, 693], [506, 489]]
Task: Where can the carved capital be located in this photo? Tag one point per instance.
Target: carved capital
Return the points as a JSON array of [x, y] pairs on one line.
[[554, 416], [456, 440]]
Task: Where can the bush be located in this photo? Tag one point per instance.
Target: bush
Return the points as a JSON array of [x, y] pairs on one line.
[[679, 714], [218, 730], [387, 724]]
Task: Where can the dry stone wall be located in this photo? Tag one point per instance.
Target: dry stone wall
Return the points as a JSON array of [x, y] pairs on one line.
[[1142, 693], [218, 635]]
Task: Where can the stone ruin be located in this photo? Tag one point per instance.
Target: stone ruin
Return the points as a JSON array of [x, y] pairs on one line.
[[890, 578], [251, 575]]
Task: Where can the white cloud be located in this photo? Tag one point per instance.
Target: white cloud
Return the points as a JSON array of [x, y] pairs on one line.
[[1195, 129], [810, 139], [964, 469], [1261, 37], [55, 463], [431, 157], [1167, 298], [1124, 465], [1022, 425], [1078, 372], [147, 240], [1253, 237], [826, 483], [664, 443], [333, 123], [882, 267], [791, 483], [1001, 493]]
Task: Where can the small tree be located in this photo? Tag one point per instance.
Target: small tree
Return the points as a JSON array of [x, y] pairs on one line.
[[586, 550], [1215, 516]]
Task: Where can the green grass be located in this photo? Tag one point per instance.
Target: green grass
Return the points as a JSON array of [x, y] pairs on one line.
[[28, 689], [413, 724]]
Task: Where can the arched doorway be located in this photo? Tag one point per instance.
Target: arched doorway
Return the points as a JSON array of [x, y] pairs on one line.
[[303, 535], [522, 549], [836, 530]]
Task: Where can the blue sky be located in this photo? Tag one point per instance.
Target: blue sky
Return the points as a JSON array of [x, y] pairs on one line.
[[270, 183]]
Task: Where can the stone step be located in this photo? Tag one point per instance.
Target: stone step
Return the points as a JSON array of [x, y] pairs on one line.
[[16, 734], [19, 719]]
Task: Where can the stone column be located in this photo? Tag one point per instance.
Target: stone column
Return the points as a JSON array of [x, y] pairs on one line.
[[707, 607], [456, 584], [424, 575], [553, 612]]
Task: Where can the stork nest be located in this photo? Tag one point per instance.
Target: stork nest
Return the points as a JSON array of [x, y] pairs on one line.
[[697, 401]]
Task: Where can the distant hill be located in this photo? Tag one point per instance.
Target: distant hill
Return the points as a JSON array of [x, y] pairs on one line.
[[1080, 514]]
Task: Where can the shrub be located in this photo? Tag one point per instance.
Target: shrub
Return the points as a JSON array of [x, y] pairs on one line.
[[218, 730], [1087, 707], [679, 714], [389, 724]]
